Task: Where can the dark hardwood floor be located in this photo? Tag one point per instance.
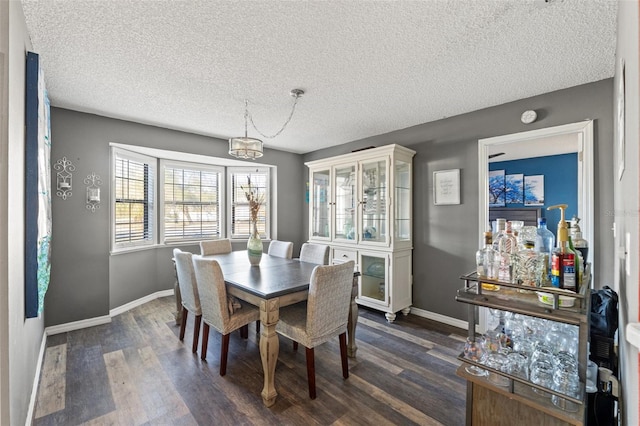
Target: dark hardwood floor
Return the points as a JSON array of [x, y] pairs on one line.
[[135, 371]]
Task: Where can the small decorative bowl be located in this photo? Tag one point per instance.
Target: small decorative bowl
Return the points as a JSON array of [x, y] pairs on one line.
[[564, 302]]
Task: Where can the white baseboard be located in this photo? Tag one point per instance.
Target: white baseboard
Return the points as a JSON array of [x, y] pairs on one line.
[[148, 298], [77, 325], [105, 319], [440, 318]]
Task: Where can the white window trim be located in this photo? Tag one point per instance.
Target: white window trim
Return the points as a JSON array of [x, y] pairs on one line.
[[268, 201], [156, 154], [191, 166], [153, 215]]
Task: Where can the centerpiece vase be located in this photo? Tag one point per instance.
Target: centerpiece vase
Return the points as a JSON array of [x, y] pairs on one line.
[[254, 246]]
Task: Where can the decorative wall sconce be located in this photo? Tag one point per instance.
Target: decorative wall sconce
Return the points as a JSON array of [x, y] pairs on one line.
[[93, 192], [64, 175]]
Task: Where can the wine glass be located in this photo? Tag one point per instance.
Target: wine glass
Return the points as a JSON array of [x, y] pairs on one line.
[[474, 350]]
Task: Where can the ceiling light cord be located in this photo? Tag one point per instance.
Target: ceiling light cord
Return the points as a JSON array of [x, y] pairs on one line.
[[296, 93]]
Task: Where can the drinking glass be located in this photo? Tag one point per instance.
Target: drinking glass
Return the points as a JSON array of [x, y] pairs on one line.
[[513, 330], [565, 380], [497, 361], [542, 352], [474, 350], [541, 374], [525, 346], [517, 365], [494, 341]]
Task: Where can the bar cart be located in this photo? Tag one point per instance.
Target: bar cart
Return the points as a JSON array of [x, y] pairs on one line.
[[517, 400]]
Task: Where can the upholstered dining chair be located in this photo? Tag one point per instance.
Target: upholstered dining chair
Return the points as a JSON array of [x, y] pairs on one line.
[[211, 247], [281, 249], [315, 253], [218, 310], [323, 317], [189, 294]]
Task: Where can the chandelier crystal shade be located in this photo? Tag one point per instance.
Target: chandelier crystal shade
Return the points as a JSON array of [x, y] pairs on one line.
[[245, 147]]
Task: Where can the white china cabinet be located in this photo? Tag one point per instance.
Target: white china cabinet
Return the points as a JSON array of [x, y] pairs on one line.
[[361, 205]]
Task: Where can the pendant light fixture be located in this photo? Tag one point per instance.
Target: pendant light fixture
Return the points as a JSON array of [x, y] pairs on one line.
[[245, 147]]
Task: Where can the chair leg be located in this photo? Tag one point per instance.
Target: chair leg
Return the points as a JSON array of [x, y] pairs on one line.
[[295, 345], [205, 341], [183, 324], [258, 326], [343, 355], [224, 351], [244, 331], [196, 333], [311, 373]]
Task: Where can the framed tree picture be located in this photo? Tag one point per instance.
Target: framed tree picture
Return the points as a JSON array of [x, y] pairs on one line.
[[514, 189], [497, 188], [534, 190]]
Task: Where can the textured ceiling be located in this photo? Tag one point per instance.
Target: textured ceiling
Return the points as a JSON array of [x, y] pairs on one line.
[[367, 67]]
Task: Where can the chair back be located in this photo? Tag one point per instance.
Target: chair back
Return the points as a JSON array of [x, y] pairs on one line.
[[212, 290], [281, 249], [211, 247], [329, 298], [187, 281], [315, 253]]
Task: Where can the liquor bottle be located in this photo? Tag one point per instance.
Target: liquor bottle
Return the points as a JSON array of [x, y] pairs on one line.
[[485, 258], [579, 262], [579, 243], [507, 247], [563, 259], [501, 225], [545, 244]]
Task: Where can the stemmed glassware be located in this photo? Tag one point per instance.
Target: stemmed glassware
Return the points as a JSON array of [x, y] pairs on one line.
[[474, 350]]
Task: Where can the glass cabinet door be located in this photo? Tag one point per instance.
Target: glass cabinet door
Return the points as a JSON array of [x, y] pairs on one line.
[[373, 278], [373, 178], [402, 202], [345, 202], [320, 203]]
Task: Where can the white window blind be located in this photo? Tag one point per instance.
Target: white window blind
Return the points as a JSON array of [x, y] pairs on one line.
[[239, 215], [134, 176], [192, 200]]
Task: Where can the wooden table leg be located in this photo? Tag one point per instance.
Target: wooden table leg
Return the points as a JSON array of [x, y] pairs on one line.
[[269, 347], [353, 321]]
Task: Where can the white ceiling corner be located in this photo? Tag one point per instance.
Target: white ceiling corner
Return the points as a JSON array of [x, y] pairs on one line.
[[367, 67]]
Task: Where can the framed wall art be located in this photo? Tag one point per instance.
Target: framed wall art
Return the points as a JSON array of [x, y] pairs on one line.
[[37, 189], [446, 187]]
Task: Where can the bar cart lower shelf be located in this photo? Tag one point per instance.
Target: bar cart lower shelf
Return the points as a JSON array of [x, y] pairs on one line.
[[489, 404]]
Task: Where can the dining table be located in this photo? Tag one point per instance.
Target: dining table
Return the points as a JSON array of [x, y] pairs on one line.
[[274, 283]]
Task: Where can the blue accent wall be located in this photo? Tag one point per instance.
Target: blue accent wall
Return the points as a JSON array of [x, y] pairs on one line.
[[560, 182]]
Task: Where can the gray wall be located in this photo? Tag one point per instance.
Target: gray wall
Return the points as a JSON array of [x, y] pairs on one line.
[[86, 282], [445, 237], [627, 204], [20, 338]]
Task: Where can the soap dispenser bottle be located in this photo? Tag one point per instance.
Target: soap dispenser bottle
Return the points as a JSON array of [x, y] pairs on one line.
[[563, 259]]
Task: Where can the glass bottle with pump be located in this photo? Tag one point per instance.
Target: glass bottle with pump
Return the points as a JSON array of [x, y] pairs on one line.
[[563, 259]]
